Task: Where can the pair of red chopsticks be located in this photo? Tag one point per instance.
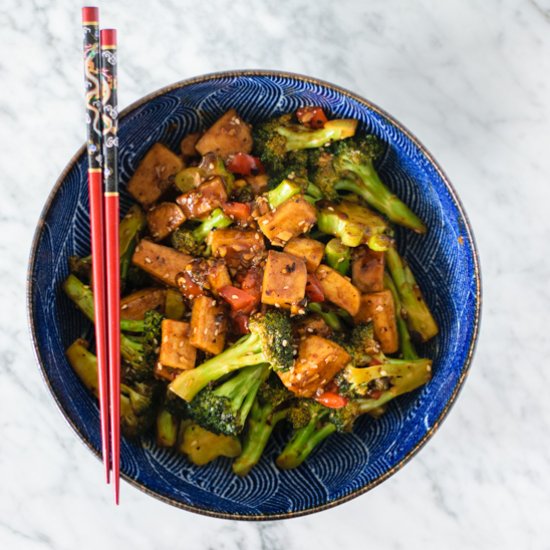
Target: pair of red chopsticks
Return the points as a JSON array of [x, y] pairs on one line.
[[100, 69]]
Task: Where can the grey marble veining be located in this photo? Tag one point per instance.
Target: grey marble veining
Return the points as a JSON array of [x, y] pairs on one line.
[[471, 80]]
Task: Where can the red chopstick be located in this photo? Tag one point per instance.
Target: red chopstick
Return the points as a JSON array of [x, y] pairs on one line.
[[90, 24], [108, 40]]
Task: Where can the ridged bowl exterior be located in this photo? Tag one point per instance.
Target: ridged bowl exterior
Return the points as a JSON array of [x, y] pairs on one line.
[[444, 261]]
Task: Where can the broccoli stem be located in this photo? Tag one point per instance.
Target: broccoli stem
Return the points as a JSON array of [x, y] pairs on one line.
[[130, 227], [376, 194], [167, 428], [84, 363], [215, 220], [330, 318], [301, 138], [243, 387], [246, 352], [338, 256], [303, 441], [406, 345], [418, 316], [82, 296], [261, 422], [284, 191]]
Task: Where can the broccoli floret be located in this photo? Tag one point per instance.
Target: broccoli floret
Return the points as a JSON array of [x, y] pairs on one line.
[[349, 167], [224, 408], [269, 408], [269, 342], [192, 241], [281, 143], [354, 224], [137, 401], [361, 345], [139, 352]]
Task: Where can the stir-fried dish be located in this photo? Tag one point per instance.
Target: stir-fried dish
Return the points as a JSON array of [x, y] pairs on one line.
[[261, 287]]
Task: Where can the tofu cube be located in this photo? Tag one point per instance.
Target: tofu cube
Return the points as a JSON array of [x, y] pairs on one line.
[[208, 325], [379, 308], [292, 218], [317, 363], [338, 289], [136, 304], [154, 174], [367, 269], [284, 281], [229, 134], [164, 218], [238, 248], [310, 250], [199, 202], [176, 351], [162, 262]]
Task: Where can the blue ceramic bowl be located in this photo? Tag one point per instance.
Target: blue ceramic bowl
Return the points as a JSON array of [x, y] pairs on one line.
[[444, 260]]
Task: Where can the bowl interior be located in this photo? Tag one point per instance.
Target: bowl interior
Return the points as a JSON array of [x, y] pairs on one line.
[[443, 260]]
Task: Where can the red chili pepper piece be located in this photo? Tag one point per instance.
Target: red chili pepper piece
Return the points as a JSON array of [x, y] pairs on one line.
[[332, 400], [314, 117], [245, 165], [314, 291]]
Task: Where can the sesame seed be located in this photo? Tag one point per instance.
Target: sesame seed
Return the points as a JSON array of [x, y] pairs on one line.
[[234, 297], [285, 343], [429, 368], [148, 260], [383, 373], [124, 306]]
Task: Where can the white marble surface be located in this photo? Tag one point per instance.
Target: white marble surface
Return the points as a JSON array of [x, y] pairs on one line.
[[472, 80]]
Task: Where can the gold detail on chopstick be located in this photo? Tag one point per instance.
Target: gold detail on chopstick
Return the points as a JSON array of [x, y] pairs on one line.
[[94, 170], [90, 22], [108, 47], [110, 194]]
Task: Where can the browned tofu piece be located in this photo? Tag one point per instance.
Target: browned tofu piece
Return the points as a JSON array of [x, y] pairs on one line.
[[208, 325], [238, 247], [206, 197], [136, 304], [379, 308], [310, 250], [176, 350], [367, 269], [292, 218], [217, 276], [187, 145], [162, 262], [312, 324], [284, 282], [154, 174], [164, 218], [338, 289], [258, 183], [229, 134], [318, 361]]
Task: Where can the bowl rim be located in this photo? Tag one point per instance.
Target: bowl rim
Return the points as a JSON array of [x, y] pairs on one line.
[[477, 274]]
